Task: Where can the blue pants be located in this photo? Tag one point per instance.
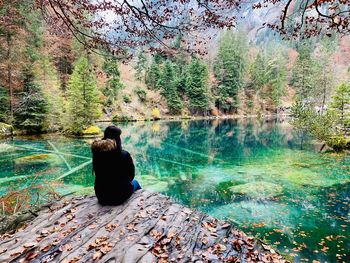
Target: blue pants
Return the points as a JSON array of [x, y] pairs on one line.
[[135, 185]]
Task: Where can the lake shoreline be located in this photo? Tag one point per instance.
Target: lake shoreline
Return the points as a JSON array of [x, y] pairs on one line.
[[16, 133]]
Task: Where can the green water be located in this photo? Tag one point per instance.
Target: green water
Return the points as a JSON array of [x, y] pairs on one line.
[[265, 177]]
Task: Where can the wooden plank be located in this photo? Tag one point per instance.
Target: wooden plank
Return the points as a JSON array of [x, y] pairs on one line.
[[149, 227]]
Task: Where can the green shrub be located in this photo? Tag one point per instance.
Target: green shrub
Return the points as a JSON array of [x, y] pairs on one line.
[[121, 118], [141, 93], [126, 98], [250, 104], [338, 143]]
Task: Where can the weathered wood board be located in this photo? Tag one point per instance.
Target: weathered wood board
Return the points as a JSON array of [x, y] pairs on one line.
[[149, 227]]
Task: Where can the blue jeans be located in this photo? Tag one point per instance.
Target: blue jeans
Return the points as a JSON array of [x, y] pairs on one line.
[[135, 185]]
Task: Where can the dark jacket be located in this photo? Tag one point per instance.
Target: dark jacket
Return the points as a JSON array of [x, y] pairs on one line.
[[114, 171]]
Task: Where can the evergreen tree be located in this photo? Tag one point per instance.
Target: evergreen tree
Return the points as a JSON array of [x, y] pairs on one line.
[[197, 86], [52, 90], [229, 69], [31, 113], [4, 104], [168, 86], [153, 74], [325, 73], [141, 66], [341, 104], [113, 84], [84, 97], [258, 72], [276, 76], [304, 73], [268, 73]]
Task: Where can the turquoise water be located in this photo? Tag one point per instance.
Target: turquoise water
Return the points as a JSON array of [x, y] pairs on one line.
[[264, 176]]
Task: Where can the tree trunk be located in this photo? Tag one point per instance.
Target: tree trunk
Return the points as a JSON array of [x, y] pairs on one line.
[[9, 73]]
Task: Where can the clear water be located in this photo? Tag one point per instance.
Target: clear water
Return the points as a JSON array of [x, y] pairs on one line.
[[265, 177]]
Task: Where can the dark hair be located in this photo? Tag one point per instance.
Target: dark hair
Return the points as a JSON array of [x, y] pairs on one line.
[[113, 132]]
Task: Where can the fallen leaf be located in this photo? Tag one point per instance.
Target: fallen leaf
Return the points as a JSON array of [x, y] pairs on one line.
[[111, 227], [46, 248], [44, 233], [30, 256], [29, 245], [97, 255], [105, 249], [15, 254], [92, 245], [68, 247], [227, 225], [171, 234]]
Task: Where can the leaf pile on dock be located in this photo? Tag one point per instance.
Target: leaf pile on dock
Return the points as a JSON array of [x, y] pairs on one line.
[[149, 227]]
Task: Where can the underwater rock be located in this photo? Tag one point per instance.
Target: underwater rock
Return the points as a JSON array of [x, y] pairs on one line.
[[308, 178], [270, 213], [259, 190], [159, 186], [183, 177], [302, 165], [5, 129]]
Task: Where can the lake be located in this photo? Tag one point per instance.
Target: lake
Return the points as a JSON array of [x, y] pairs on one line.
[[264, 176]]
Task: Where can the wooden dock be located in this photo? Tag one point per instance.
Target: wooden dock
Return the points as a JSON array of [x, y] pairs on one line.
[[149, 227]]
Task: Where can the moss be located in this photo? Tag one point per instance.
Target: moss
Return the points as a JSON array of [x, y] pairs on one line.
[[92, 130]]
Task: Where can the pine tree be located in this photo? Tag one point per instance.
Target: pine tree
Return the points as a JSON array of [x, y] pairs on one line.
[[52, 89], [197, 86], [141, 66], [276, 76], [4, 104], [258, 72], [304, 73], [84, 97], [341, 104], [31, 113], [325, 70], [229, 69], [153, 74], [168, 86], [113, 84]]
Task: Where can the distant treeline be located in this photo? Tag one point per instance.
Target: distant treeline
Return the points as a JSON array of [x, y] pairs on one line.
[[50, 82]]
